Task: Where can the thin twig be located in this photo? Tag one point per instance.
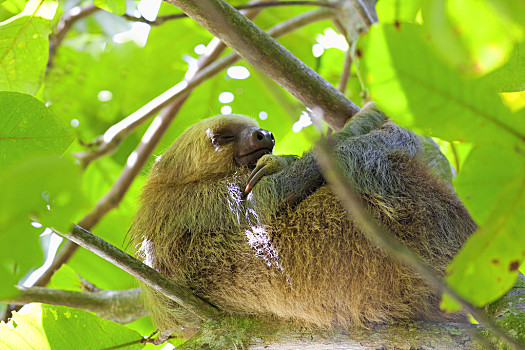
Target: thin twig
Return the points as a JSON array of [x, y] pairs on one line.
[[65, 24], [156, 130], [121, 306], [270, 58], [185, 298], [394, 248], [116, 133], [363, 12], [162, 19], [345, 74]]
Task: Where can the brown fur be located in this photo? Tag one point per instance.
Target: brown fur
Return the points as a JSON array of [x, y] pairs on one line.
[[305, 261]]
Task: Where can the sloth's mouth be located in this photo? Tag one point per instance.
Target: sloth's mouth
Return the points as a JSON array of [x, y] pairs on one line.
[[250, 159]]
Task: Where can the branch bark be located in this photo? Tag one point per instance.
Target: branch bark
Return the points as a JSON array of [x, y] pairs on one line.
[[384, 240], [115, 134], [122, 306], [269, 57], [141, 271]]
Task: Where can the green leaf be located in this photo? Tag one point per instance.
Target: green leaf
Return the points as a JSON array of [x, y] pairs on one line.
[[469, 34], [26, 189], [43, 327], [404, 77], [486, 177], [24, 47], [66, 279], [117, 7], [449, 304], [395, 11], [416, 90], [511, 76], [513, 10], [28, 128], [488, 264]]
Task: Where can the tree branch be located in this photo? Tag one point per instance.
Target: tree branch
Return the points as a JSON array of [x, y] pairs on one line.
[[115, 134], [155, 132], [269, 57], [65, 24], [141, 271], [386, 241], [267, 4], [122, 306]]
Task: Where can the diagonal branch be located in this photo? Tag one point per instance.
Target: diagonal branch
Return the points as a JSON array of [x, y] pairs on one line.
[[115, 134], [122, 306], [155, 132], [269, 57], [385, 240], [141, 271]]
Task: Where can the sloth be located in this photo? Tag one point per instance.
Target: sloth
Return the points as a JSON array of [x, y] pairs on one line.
[[258, 234]]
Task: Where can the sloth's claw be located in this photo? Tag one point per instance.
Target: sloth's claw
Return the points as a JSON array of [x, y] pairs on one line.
[[259, 171]]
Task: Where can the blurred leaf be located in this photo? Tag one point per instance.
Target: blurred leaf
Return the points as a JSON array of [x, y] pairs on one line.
[[510, 76], [24, 47], [449, 304], [415, 89], [117, 7], [28, 128], [469, 34], [392, 11], [483, 183], [26, 189], [513, 10], [65, 278], [514, 100], [39, 326], [488, 264]]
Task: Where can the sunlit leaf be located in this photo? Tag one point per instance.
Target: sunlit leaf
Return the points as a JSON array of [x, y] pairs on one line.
[[392, 11], [417, 90], [24, 47], [39, 326], [489, 263], [29, 128], [510, 76], [118, 7], [469, 34]]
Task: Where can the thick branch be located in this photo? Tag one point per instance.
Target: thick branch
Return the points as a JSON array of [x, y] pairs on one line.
[[268, 56], [385, 240], [141, 271], [114, 135], [122, 306]]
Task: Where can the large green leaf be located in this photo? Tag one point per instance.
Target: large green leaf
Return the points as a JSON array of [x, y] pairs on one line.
[[118, 7], [46, 187], [28, 128], [469, 34], [510, 76], [24, 47], [398, 11], [43, 327], [489, 263], [404, 77], [417, 90], [33, 181]]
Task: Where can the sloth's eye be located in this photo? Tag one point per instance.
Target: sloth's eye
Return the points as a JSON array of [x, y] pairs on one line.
[[223, 139]]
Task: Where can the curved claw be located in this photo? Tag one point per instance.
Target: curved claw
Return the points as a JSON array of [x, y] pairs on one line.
[[255, 176]]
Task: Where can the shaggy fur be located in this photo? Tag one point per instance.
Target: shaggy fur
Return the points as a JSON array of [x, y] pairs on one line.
[[300, 259]]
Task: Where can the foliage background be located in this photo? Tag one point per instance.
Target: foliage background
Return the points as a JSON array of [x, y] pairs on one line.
[[451, 70]]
